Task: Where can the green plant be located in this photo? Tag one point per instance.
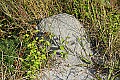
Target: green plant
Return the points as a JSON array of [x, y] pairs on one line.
[[37, 57], [9, 57]]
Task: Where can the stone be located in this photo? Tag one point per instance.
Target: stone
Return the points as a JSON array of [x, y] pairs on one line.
[[67, 27]]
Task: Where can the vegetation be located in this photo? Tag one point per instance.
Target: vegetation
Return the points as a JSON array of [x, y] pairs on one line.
[[21, 54]]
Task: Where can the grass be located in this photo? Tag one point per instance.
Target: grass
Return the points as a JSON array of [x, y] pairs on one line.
[[17, 30]]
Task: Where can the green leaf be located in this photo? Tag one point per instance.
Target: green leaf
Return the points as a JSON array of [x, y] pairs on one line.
[[26, 35], [41, 40], [29, 45], [35, 56], [62, 40], [48, 43], [43, 56], [38, 53], [21, 59], [44, 50], [62, 47], [110, 74], [29, 72], [85, 60], [36, 38], [55, 52]]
